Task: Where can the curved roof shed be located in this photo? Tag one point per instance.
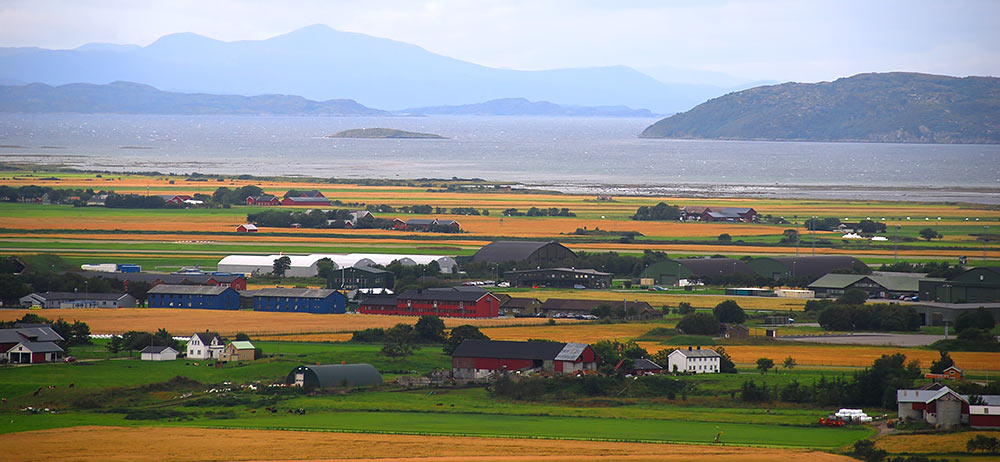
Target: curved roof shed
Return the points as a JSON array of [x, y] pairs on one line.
[[334, 375], [669, 271], [803, 267], [534, 252]]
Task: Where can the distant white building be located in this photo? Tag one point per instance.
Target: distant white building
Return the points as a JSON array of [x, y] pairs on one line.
[[307, 265], [205, 345], [158, 353], [692, 360]]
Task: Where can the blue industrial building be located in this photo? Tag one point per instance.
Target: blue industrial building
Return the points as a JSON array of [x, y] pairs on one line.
[[321, 301], [194, 297]]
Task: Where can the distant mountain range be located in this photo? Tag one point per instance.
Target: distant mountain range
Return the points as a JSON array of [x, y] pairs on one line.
[[523, 107], [320, 63], [133, 98], [891, 107]]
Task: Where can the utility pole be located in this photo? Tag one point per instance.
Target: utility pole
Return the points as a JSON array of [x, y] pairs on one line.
[[986, 237]]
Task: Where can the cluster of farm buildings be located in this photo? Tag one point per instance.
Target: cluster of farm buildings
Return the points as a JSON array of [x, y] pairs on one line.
[[936, 300]]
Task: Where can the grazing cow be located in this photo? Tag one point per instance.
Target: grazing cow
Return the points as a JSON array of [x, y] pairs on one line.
[[71, 385], [38, 391]]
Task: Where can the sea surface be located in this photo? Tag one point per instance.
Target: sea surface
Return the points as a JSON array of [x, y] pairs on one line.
[[593, 155]]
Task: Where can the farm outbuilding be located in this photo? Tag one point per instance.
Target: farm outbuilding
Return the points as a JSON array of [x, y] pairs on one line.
[[669, 272], [977, 285], [239, 350], [77, 300], [811, 267], [27, 345], [532, 253], [334, 375], [158, 353]]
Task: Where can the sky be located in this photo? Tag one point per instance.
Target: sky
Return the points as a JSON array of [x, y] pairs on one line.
[[707, 41]]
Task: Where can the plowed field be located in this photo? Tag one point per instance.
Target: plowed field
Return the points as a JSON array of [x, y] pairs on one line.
[[113, 444]]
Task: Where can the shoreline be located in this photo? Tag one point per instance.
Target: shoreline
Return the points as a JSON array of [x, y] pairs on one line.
[[977, 195]]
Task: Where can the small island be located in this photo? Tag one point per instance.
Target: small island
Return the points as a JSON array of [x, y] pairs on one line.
[[384, 133]]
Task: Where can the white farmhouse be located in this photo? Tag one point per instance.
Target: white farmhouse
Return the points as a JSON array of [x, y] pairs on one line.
[[205, 345], [158, 353], [696, 361]]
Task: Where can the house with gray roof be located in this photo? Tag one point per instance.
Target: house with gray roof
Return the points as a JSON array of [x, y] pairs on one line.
[[29, 345], [205, 345], [77, 300]]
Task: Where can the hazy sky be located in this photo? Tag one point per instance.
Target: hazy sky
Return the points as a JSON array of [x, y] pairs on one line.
[[767, 39]]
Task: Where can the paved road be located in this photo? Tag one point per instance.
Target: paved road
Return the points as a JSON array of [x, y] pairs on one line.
[[869, 338]]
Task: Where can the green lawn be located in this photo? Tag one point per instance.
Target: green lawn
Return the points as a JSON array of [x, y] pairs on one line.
[[525, 426]]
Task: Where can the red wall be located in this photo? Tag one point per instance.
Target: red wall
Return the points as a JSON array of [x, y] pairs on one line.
[[984, 420], [37, 358]]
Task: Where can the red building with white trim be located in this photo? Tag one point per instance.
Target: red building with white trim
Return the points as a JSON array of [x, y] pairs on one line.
[[449, 302]]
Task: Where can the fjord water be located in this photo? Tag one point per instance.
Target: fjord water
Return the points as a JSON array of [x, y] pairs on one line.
[[568, 153]]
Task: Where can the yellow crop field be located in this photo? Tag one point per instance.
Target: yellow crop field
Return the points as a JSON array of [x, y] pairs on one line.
[[928, 444], [182, 322], [119, 444], [658, 299], [847, 355]]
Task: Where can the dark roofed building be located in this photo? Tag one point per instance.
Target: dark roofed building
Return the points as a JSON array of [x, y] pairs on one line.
[[520, 306], [306, 200], [671, 271], [334, 375], [195, 297], [559, 277], [529, 252], [811, 267], [876, 286], [641, 366], [356, 277], [235, 281], [559, 307], [320, 301], [478, 359], [263, 199], [453, 302]]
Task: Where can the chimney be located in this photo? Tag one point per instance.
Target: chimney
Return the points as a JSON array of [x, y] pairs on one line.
[[689, 348]]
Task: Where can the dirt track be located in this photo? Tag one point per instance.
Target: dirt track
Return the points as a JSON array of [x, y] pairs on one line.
[[114, 444]]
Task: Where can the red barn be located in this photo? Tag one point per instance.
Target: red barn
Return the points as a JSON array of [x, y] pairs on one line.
[[478, 359], [448, 302], [263, 199], [246, 228]]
